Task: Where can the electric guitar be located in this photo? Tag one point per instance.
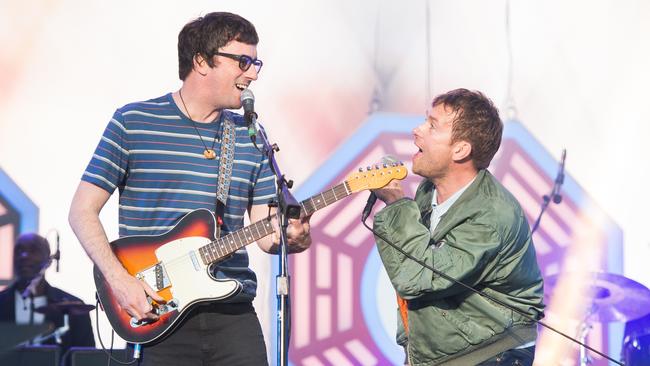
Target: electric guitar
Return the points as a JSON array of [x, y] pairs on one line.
[[177, 264]]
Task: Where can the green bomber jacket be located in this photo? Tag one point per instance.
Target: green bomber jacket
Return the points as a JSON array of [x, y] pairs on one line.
[[484, 241]]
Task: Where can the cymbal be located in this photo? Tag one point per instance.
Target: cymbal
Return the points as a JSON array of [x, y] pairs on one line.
[[615, 298], [65, 307]]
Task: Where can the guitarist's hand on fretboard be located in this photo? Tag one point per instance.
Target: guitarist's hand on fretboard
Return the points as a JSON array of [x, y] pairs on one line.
[[298, 237]]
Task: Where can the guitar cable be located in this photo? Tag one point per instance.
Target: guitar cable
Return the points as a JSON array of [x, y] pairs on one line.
[[136, 351], [481, 293]]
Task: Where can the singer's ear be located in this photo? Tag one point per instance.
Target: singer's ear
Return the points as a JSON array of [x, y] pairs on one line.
[[461, 150], [200, 64]]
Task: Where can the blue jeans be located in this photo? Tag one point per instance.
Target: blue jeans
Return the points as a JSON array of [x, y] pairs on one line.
[[513, 357]]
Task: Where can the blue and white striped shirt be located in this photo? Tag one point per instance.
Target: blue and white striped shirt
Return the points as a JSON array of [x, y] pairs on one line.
[[151, 152]]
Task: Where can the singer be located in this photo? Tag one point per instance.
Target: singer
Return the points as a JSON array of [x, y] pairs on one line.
[[180, 152], [465, 224], [31, 291]]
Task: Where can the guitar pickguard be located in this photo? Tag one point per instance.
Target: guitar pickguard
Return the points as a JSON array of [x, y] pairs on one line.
[[190, 279]]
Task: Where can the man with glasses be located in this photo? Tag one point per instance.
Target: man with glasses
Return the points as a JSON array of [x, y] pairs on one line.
[[166, 156]]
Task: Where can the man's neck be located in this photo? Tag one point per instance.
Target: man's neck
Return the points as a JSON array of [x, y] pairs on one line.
[[451, 183], [39, 288], [195, 104]]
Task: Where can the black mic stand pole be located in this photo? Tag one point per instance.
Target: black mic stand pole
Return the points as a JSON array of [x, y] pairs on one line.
[[554, 195], [288, 208]]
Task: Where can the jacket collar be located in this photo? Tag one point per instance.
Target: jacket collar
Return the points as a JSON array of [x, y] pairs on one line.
[[455, 214]]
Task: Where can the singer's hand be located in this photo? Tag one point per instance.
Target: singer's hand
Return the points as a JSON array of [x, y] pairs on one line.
[[390, 193]]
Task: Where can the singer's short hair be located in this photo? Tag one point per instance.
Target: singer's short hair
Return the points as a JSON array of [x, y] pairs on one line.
[[35, 240], [205, 35], [477, 122]]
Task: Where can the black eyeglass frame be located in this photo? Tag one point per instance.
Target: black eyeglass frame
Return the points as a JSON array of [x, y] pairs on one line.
[[245, 61]]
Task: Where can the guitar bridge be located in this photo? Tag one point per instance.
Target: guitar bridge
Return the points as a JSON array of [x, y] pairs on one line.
[[158, 309], [155, 276]]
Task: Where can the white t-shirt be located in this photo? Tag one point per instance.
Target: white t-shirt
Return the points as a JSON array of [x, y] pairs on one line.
[[23, 308]]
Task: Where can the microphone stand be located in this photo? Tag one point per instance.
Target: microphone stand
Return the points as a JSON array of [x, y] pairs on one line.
[[30, 292], [57, 254], [288, 208], [555, 193]]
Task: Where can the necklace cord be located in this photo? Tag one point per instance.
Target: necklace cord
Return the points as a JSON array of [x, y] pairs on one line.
[[211, 149]]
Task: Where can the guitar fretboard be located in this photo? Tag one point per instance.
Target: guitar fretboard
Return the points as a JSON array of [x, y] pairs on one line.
[[230, 243]]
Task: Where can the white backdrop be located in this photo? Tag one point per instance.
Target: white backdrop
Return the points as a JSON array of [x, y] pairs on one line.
[[580, 80]]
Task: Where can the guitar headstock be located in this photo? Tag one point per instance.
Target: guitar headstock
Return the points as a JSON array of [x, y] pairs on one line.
[[376, 176]]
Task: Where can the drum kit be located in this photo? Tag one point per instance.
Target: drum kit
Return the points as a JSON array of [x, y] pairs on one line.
[[38, 334], [615, 298], [65, 308]]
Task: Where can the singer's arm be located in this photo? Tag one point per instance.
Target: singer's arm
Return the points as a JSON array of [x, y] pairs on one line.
[[298, 235], [462, 256], [87, 203]]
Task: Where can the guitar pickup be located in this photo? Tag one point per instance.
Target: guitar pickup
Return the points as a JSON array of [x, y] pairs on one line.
[[155, 276]]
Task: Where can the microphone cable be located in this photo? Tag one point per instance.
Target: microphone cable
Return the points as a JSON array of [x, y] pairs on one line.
[[481, 293], [99, 336]]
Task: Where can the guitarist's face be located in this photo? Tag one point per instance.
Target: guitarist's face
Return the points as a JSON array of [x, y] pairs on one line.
[[226, 79]]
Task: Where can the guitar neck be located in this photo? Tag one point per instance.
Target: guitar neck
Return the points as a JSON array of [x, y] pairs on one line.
[[230, 243]]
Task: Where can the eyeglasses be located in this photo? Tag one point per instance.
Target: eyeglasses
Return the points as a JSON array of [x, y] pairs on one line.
[[245, 62]]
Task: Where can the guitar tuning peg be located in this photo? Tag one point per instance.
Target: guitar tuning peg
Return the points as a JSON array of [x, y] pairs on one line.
[[377, 166], [360, 170], [368, 168]]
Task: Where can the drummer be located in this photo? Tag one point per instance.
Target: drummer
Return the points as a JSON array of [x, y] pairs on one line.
[[31, 291]]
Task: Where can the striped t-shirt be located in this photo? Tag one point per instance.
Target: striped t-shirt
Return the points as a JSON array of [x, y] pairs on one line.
[[151, 152]]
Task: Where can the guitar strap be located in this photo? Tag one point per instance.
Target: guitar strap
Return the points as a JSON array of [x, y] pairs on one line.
[[226, 158]]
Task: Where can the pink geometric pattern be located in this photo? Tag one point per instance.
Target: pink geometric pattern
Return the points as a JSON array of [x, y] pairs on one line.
[[328, 323]]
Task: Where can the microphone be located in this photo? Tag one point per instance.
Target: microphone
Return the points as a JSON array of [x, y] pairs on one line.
[[57, 254], [248, 102], [556, 197], [30, 290], [372, 199]]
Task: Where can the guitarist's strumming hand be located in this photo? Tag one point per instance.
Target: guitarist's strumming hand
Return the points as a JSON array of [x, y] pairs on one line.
[[132, 296]]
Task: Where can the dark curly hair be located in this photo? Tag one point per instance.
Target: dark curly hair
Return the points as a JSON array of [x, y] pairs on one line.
[[205, 35]]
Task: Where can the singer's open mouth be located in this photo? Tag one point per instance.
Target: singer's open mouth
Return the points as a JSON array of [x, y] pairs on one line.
[[241, 86]]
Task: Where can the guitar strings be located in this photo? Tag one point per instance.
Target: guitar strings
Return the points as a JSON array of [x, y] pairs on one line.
[[181, 259]]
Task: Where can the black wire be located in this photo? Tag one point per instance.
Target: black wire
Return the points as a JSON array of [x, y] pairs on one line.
[[111, 349], [545, 202], [481, 293], [99, 336]]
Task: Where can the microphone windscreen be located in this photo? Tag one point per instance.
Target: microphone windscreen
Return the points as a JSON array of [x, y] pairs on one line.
[[247, 94], [389, 159]]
